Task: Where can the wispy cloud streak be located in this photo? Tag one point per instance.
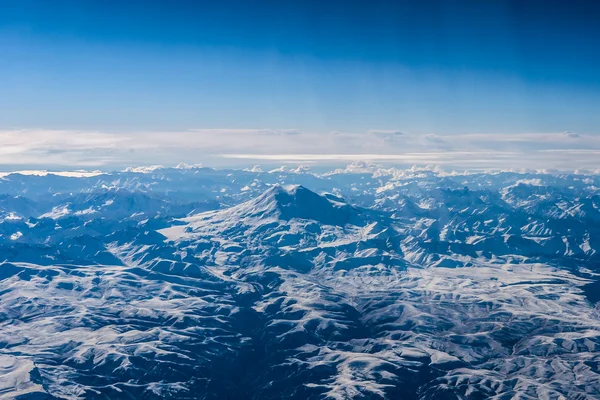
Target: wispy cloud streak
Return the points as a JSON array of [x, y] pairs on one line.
[[560, 150]]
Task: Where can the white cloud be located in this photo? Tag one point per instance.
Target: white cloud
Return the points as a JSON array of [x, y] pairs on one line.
[[560, 150]]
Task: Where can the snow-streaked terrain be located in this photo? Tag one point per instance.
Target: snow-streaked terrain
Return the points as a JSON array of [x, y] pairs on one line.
[[363, 282]]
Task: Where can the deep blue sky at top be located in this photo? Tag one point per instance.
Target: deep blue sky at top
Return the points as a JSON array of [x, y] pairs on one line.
[[420, 66]]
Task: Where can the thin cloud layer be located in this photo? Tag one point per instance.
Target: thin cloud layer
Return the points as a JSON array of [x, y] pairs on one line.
[[561, 150]]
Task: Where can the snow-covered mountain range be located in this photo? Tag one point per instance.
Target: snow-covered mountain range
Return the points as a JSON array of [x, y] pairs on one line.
[[363, 282]]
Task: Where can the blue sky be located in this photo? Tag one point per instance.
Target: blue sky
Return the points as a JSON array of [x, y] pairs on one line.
[[446, 68]]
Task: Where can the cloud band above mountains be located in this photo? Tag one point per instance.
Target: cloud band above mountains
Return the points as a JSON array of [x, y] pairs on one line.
[[563, 150]]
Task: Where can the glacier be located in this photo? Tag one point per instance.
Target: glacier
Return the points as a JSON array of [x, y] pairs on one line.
[[364, 282]]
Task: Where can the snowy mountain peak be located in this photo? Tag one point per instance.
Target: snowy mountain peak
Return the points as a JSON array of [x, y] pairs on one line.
[[281, 207], [287, 202]]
